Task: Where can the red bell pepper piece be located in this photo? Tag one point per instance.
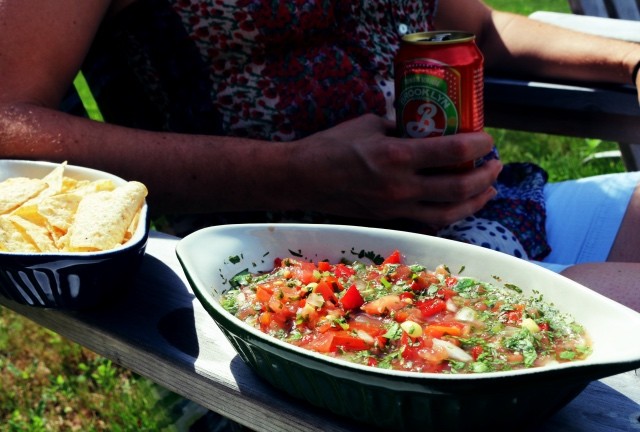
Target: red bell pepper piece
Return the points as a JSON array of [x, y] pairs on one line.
[[352, 299], [394, 258]]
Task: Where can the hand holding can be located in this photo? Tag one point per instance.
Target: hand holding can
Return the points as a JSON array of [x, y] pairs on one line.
[[439, 86]]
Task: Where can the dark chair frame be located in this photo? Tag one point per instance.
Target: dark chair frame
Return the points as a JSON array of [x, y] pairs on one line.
[[607, 112]]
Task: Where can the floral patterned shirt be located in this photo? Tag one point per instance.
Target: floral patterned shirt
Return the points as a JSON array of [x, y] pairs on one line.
[[272, 70], [280, 70]]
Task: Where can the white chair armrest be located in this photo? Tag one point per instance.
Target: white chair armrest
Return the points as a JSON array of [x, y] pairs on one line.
[[610, 27]]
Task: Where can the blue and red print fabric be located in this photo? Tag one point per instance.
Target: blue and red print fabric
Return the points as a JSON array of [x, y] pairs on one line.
[[281, 70]]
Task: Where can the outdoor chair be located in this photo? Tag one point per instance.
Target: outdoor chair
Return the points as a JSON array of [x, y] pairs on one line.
[[607, 112]]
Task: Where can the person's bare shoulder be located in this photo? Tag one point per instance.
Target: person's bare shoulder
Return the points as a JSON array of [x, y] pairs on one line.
[[43, 44]]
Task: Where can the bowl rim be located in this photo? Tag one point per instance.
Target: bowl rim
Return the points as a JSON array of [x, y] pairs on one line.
[[139, 236], [219, 314]]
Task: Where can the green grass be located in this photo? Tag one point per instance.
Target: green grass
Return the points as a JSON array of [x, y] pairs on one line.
[[49, 383], [527, 7]]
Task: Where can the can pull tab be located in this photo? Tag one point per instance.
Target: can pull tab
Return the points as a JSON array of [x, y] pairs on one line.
[[441, 37]]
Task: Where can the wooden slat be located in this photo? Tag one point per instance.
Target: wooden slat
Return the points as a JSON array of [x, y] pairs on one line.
[[623, 29], [627, 9], [608, 113], [623, 9], [160, 331], [589, 7]]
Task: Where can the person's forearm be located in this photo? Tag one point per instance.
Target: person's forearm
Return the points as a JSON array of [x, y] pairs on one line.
[[517, 44], [355, 169], [184, 173]]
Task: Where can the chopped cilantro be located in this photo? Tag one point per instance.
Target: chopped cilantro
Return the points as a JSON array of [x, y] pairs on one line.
[[567, 355], [241, 278], [394, 332], [374, 257], [230, 301]]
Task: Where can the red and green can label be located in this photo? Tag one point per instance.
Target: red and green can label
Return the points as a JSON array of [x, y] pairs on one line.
[[428, 99]]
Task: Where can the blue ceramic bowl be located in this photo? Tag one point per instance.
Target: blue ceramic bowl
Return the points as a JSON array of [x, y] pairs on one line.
[[69, 280], [407, 400]]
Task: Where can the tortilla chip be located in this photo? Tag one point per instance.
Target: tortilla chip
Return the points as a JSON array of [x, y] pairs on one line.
[[46, 215], [12, 239], [133, 226], [54, 181], [30, 212], [102, 218], [59, 210], [16, 191], [35, 234], [93, 187], [68, 184]]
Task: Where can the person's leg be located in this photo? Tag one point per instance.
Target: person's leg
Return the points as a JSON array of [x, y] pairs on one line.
[[617, 281], [593, 219], [626, 247]]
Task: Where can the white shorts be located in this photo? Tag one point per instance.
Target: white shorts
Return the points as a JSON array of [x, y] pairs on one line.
[[583, 217]]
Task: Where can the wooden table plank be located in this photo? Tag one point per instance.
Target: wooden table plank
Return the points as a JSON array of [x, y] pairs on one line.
[[159, 330]]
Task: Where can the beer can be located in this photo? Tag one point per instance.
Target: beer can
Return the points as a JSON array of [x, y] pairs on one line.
[[439, 84]]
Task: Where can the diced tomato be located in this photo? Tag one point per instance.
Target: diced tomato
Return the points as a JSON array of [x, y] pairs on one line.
[[447, 293], [275, 305], [352, 299], [401, 316], [543, 326], [408, 313], [384, 305], [410, 348], [439, 330], [309, 316], [407, 295], [303, 271], [265, 319], [281, 319], [326, 291], [373, 328], [451, 281], [277, 262], [263, 293], [288, 293], [394, 258], [423, 280], [435, 367], [348, 342], [404, 339], [330, 341], [324, 326], [431, 307], [342, 271], [476, 351], [513, 316], [320, 343], [333, 282], [401, 273], [324, 266]]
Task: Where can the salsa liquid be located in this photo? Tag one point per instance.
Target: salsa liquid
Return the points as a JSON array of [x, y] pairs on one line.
[[405, 317]]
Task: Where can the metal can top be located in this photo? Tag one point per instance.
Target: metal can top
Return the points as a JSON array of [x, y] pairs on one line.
[[438, 37]]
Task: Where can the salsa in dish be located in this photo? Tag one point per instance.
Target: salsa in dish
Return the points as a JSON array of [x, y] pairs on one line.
[[405, 317]]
